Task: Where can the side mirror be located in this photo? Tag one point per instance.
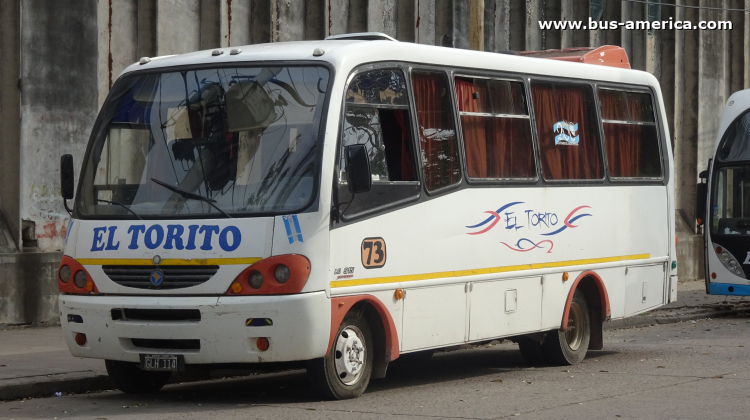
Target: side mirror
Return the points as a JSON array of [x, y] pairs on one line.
[[67, 173], [701, 198], [358, 169]]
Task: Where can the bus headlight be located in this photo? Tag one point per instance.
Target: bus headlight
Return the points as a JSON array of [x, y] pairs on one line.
[[281, 273], [255, 279], [80, 279], [729, 262], [65, 273]]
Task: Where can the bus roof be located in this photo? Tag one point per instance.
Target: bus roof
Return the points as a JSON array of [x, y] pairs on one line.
[[345, 54]]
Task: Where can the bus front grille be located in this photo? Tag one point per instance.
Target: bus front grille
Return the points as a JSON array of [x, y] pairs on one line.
[[174, 276]]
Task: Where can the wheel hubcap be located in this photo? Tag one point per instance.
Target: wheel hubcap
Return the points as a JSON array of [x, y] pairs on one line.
[[574, 333], [350, 355]]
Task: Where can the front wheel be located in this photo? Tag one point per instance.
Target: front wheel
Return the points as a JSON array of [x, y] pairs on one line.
[[130, 379], [345, 372], [569, 347]]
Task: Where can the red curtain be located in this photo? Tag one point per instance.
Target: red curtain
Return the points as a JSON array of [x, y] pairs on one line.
[[475, 137], [554, 104], [624, 142], [495, 147], [437, 133]]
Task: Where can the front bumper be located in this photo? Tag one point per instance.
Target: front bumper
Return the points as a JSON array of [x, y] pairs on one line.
[[300, 330]]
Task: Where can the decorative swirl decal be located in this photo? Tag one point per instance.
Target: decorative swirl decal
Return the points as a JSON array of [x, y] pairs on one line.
[[519, 248], [568, 221], [494, 215]]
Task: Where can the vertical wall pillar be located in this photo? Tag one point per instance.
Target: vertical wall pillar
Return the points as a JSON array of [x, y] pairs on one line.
[[501, 18], [516, 25], [736, 51], [425, 26], [10, 117], [685, 118], [178, 26], [235, 22], [476, 25], [534, 13], [146, 44], [712, 81], [381, 16], [337, 17], [574, 10], [444, 23], [552, 38], [626, 35], [261, 19], [290, 21], [211, 25], [667, 63], [406, 20]]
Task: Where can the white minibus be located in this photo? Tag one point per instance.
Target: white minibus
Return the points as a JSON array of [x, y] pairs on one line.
[[340, 203]]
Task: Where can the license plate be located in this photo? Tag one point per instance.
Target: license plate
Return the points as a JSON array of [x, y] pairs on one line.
[[163, 362]]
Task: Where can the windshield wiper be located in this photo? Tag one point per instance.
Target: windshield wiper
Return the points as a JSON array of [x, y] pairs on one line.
[[121, 205], [188, 194]]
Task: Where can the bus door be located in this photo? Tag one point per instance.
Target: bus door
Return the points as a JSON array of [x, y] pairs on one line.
[[727, 215]]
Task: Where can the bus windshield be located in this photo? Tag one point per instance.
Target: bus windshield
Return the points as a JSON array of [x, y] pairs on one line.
[[731, 201], [218, 142]]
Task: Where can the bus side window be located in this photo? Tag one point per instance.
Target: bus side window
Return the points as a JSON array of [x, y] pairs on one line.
[[437, 130], [567, 128], [496, 128], [630, 134], [377, 115]]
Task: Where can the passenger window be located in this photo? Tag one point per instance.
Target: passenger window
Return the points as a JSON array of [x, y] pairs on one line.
[[496, 127], [437, 130], [567, 129], [377, 115], [630, 134]]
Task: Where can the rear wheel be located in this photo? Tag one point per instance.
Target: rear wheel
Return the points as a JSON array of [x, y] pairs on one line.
[[345, 372], [569, 347], [130, 379]]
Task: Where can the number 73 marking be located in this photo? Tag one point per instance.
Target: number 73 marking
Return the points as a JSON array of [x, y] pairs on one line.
[[373, 252]]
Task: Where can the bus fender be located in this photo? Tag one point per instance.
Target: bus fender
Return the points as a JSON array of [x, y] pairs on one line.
[[597, 341], [340, 306]]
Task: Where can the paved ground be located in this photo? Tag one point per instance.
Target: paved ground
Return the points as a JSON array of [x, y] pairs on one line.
[[681, 370]]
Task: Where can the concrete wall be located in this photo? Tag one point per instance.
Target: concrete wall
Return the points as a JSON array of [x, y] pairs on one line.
[[28, 290], [58, 105]]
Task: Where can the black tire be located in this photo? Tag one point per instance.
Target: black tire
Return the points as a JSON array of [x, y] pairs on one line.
[[531, 351], [322, 373], [569, 347], [130, 379]]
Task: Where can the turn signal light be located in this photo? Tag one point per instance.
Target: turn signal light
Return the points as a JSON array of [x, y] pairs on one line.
[[73, 278], [278, 275]]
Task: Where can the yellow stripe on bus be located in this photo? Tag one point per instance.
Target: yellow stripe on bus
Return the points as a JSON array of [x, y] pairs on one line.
[[169, 261], [478, 271]]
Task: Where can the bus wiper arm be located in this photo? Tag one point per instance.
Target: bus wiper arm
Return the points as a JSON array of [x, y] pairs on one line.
[[188, 194], [121, 205]]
